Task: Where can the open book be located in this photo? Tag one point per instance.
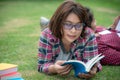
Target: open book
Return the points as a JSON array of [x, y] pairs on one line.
[[81, 67]]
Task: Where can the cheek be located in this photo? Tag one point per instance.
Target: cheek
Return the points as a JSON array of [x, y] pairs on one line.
[[64, 32], [79, 33]]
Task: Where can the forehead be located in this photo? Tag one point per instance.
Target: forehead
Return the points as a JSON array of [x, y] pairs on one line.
[[72, 17]]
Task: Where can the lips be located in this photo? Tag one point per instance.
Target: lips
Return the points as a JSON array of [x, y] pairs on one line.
[[71, 36]]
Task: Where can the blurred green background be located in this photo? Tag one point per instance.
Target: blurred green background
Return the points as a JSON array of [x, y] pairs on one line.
[[20, 31]]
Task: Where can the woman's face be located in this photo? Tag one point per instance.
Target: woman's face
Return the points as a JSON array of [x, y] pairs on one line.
[[72, 34]]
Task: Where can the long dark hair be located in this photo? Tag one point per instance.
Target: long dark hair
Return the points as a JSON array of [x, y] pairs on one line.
[[61, 14], [90, 16]]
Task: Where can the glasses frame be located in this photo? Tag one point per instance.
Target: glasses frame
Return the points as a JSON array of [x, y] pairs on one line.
[[69, 26]]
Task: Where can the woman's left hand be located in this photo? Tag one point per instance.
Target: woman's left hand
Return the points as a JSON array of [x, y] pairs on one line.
[[91, 74]]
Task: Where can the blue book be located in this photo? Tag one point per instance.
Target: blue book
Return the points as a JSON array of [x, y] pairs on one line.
[[15, 79], [81, 67]]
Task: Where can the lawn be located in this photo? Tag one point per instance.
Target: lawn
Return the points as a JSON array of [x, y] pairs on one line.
[[20, 31]]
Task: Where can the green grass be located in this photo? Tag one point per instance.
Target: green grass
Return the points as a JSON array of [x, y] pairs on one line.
[[20, 30]]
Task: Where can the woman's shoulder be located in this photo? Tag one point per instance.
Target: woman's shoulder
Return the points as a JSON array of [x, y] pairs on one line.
[[47, 34]]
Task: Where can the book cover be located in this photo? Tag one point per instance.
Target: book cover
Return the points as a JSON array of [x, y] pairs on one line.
[[81, 67], [6, 68], [16, 79]]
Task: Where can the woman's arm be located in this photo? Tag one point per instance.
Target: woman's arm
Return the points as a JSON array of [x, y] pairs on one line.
[[44, 53], [46, 63]]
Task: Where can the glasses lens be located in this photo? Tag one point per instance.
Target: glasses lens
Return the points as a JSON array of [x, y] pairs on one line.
[[67, 26], [78, 26]]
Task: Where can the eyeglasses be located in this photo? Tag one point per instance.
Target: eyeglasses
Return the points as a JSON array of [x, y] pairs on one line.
[[69, 26]]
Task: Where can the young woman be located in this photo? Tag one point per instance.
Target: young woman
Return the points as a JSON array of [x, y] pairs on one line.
[[67, 37]]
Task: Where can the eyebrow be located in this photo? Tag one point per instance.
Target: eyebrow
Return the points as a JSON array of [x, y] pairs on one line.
[[72, 22]]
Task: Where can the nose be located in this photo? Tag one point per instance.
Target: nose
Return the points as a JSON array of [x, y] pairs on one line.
[[73, 30]]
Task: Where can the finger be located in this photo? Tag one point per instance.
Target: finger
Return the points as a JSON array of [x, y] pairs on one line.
[[62, 69], [96, 65], [93, 71], [60, 62], [86, 76], [66, 71], [68, 67]]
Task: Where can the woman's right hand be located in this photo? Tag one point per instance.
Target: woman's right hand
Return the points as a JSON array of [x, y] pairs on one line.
[[61, 70]]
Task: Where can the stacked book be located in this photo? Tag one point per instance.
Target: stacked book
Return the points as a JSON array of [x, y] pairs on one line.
[[9, 72]]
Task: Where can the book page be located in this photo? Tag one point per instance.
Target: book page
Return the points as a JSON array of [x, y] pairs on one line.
[[98, 59], [118, 26], [104, 32], [91, 61]]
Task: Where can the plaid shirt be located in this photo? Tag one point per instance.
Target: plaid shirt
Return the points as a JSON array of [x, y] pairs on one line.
[[49, 48]]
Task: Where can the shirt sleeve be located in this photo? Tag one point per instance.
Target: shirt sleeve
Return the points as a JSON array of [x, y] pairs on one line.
[[44, 53]]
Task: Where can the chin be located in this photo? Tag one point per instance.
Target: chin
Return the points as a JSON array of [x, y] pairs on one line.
[[70, 41]]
